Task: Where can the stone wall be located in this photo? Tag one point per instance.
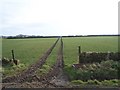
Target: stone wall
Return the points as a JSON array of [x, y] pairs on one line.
[[90, 57]]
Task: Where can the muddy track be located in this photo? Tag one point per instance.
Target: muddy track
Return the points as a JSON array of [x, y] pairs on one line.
[[28, 74], [55, 69], [58, 65]]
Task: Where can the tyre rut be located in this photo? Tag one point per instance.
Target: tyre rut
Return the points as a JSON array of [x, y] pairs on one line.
[[27, 74], [56, 68]]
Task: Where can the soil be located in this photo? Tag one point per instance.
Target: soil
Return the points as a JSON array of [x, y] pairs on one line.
[[61, 80]]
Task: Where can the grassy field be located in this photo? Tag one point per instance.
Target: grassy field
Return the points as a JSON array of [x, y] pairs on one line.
[[28, 51], [97, 44]]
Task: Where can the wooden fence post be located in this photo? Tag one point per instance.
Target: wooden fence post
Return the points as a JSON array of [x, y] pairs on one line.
[[79, 52], [13, 56], [16, 62]]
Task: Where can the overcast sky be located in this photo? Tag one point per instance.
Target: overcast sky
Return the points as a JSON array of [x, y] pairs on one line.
[[58, 17]]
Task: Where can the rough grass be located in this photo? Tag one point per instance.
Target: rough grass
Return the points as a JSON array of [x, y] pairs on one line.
[[80, 83]]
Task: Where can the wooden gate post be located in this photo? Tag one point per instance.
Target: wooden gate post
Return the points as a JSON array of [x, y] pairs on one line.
[[79, 52]]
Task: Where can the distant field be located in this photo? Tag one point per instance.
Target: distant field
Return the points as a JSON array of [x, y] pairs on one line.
[[26, 50], [29, 50], [97, 44]]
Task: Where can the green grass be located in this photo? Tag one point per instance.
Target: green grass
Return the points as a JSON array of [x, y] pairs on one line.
[[80, 83], [13, 70], [26, 50], [93, 44]]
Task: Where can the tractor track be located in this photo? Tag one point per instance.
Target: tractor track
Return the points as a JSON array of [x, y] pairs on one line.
[[55, 69], [27, 74], [56, 76], [30, 79]]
